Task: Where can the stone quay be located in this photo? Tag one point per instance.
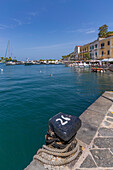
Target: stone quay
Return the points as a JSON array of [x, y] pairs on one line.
[[95, 138]]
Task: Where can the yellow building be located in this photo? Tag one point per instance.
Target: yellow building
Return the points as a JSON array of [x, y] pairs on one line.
[[83, 50], [106, 48]]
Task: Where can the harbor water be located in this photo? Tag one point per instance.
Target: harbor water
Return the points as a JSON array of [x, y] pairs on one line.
[[30, 95]]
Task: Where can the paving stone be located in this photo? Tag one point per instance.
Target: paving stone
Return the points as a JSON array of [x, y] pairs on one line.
[[86, 133], [109, 119], [90, 123], [111, 109], [106, 123], [103, 157], [103, 142], [99, 134], [88, 163], [101, 105], [93, 146], [111, 150], [108, 95], [106, 131], [92, 117], [110, 114]]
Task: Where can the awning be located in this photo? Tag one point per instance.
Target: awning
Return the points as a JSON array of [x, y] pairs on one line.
[[107, 60]]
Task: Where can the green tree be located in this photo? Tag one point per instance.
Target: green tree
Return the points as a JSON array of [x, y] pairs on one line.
[[103, 31], [10, 58], [86, 56], [6, 59], [14, 60], [2, 58], [110, 32], [63, 57]]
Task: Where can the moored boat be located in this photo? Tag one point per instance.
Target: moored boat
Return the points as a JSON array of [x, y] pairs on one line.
[[97, 69], [28, 63], [110, 67]]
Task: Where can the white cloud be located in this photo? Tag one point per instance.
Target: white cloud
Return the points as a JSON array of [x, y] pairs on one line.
[[74, 43], [17, 21], [2, 26], [82, 30], [87, 30], [32, 14], [90, 31], [51, 46]]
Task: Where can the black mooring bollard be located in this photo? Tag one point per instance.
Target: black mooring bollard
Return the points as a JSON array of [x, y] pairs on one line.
[[62, 130], [61, 145]]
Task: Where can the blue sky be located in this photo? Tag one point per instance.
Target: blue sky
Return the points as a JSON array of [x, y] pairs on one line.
[[41, 29]]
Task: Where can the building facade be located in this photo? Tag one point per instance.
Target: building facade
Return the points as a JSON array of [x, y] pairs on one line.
[[94, 50], [106, 48], [77, 51], [83, 51]]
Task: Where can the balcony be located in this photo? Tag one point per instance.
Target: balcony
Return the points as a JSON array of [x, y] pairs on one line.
[[101, 57], [102, 47]]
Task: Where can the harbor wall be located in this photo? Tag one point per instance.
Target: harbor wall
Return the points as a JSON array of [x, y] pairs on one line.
[[95, 137]]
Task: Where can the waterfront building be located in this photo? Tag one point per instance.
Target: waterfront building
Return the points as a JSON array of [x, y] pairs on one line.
[[106, 48], [94, 50], [77, 51], [102, 48], [73, 56], [83, 51]]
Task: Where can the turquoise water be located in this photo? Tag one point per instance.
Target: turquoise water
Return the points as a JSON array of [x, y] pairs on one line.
[[29, 96]]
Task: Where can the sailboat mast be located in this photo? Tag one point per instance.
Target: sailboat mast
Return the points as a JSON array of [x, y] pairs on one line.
[[7, 53], [8, 48]]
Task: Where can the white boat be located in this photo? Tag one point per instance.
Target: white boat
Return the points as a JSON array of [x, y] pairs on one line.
[[10, 63], [84, 64]]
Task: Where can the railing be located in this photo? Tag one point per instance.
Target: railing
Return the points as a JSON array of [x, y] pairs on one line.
[[102, 47]]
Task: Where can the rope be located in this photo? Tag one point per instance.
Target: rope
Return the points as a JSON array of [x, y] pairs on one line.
[[58, 163], [57, 150], [69, 155], [59, 154]]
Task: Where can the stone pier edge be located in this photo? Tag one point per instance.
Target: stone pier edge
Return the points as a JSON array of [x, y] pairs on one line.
[[95, 136]]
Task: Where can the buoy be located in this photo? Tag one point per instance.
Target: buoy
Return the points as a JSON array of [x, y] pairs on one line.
[[51, 75], [2, 69]]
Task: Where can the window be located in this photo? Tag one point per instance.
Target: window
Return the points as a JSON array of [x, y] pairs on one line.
[[95, 45], [92, 46], [102, 53], [102, 45], [108, 52], [95, 54], [108, 42]]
